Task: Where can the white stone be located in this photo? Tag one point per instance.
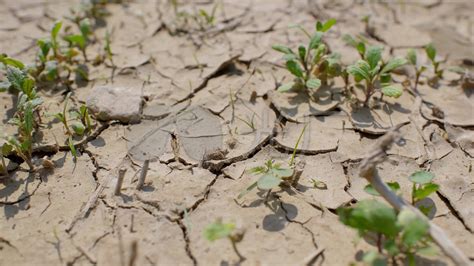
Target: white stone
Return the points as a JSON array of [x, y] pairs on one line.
[[116, 103]]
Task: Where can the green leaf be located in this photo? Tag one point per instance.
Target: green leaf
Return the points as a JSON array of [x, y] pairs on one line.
[[370, 215], [424, 191], [413, 227], [421, 177], [6, 149], [360, 70], [56, 28], [288, 57], [77, 40], [247, 190], [28, 119], [313, 83], [16, 77], [282, 172], [282, 49], [385, 79], [430, 52], [51, 70], [327, 25], [373, 55], [78, 128], [319, 184], [12, 62], [315, 40], [72, 147], [286, 87], [361, 48], [85, 27], [348, 39], [394, 186], [294, 68], [393, 64], [411, 57], [218, 230], [394, 91], [302, 52], [268, 181], [373, 258]]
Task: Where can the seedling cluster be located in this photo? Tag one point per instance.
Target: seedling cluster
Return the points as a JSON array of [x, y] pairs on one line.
[[219, 230], [312, 65], [57, 59]]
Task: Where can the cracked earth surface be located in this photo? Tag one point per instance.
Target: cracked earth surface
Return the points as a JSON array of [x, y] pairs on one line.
[[214, 90]]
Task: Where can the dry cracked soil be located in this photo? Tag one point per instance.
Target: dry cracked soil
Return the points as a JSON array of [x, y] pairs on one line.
[[201, 104]]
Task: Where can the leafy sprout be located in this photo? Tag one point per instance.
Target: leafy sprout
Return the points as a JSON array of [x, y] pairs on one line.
[[311, 65], [272, 175], [413, 60], [376, 73], [423, 186], [220, 230], [431, 53], [397, 235]]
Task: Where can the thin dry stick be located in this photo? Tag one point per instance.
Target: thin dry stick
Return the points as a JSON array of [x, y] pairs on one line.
[[141, 180], [369, 171], [118, 186]]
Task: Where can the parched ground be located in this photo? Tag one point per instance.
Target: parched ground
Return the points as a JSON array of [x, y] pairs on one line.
[[201, 89]]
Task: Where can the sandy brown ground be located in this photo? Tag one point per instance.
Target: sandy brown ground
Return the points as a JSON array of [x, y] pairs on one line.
[[197, 87]]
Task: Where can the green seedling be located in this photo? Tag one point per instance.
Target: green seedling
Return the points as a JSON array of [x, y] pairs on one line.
[[360, 44], [81, 119], [311, 65], [422, 187], [70, 143], [413, 60], [398, 236], [272, 175], [432, 54], [201, 18], [376, 73], [249, 122], [219, 230]]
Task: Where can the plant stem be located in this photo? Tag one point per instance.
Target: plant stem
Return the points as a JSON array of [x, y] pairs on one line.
[[379, 243], [234, 247]]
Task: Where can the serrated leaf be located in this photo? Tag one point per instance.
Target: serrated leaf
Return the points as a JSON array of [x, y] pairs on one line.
[[424, 191], [268, 181], [421, 177], [16, 77], [282, 49], [411, 57], [313, 83], [294, 68], [430, 52], [360, 70], [286, 87], [394, 91], [373, 55], [393, 64], [413, 227], [218, 230]]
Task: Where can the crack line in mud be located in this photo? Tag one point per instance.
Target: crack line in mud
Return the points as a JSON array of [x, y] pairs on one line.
[[454, 211]]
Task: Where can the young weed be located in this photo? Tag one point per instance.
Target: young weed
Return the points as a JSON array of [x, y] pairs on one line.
[[82, 122], [312, 65], [219, 230], [398, 236], [419, 69], [376, 73]]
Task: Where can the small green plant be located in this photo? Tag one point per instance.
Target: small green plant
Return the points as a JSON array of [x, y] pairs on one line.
[[219, 230], [419, 69], [201, 18], [311, 65], [398, 236], [422, 186], [81, 119], [431, 53], [272, 175], [28, 104], [376, 73], [56, 61]]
